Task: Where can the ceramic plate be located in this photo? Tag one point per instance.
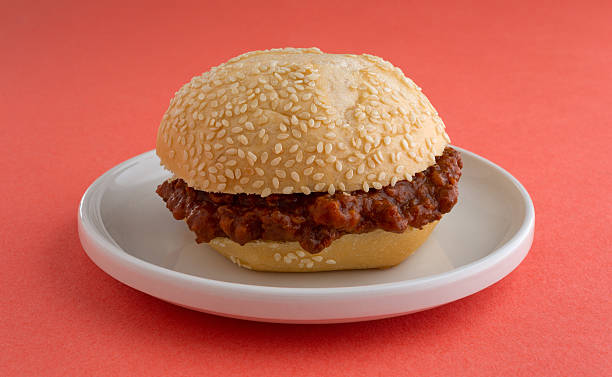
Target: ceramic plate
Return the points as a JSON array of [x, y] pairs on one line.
[[127, 231]]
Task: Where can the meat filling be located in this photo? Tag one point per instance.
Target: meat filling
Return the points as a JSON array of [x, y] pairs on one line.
[[317, 219]]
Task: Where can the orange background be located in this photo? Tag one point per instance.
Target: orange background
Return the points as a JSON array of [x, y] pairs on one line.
[[526, 84]]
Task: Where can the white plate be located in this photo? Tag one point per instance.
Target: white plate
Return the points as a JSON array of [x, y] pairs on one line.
[[127, 231]]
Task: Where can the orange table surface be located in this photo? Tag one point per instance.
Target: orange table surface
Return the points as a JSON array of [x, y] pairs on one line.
[[526, 84]]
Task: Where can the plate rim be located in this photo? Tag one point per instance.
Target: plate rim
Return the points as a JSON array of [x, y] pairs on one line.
[[86, 226]]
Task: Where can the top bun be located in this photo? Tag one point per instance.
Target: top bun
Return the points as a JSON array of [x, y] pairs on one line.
[[299, 121]]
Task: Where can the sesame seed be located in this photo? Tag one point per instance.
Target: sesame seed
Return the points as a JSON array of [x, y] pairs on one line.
[[241, 153], [361, 169], [328, 148], [331, 189], [338, 165], [308, 171], [275, 161], [305, 190], [319, 186], [260, 172], [320, 147], [366, 187], [318, 176], [275, 182], [288, 190], [295, 176], [278, 148], [230, 162], [221, 186], [282, 136], [280, 173], [277, 257], [330, 261], [243, 140], [393, 181], [287, 259], [251, 156], [377, 185], [310, 160]]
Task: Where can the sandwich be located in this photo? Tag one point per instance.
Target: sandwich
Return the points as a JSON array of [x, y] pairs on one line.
[[295, 160]]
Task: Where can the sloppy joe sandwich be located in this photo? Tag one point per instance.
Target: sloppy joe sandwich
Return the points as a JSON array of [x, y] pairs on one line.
[[298, 160]]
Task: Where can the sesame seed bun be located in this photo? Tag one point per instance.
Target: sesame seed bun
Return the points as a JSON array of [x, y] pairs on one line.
[[299, 121], [378, 249]]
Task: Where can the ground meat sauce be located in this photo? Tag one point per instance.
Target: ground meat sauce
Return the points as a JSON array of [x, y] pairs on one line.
[[317, 219]]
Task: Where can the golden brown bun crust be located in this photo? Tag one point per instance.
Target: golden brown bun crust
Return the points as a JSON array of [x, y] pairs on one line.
[[299, 121], [378, 249]]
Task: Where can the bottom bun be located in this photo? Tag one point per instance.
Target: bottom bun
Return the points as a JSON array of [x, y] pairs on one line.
[[377, 249]]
